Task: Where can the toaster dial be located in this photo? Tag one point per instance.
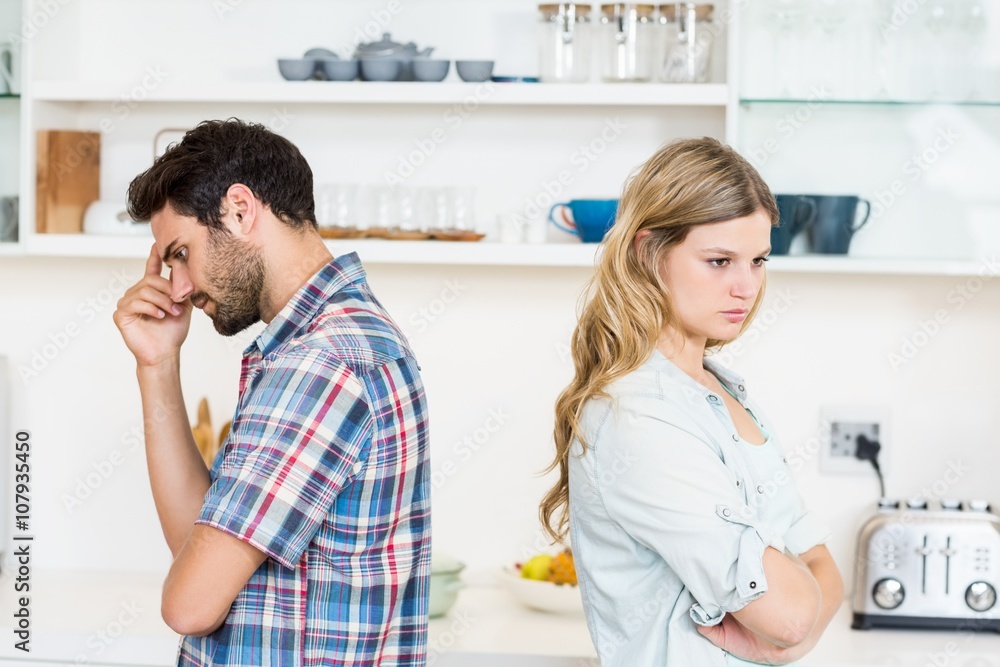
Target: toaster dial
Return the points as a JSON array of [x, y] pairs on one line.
[[888, 593], [980, 596]]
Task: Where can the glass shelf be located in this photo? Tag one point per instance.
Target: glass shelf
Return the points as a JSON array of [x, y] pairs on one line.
[[874, 103], [11, 96]]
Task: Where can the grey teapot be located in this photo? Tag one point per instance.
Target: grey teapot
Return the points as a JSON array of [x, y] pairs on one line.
[[386, 49]]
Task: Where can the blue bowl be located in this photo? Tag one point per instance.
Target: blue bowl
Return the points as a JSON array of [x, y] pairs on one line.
[[297, 69]]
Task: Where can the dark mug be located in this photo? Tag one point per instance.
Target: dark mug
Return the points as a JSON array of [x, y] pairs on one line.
[[836, 221], [590, 218], [796, 213]]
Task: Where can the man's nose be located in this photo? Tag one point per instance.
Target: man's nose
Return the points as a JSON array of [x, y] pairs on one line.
[[181, 286]]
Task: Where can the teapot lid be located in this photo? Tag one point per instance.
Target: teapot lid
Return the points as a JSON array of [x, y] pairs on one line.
[[384, 46]]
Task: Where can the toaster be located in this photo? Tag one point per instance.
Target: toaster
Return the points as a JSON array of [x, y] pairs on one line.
[[923, 566]]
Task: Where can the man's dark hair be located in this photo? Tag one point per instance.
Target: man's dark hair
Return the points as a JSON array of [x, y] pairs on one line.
[[194, 175]]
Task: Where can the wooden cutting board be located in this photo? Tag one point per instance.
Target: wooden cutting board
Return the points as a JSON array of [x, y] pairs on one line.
[[68, 179]]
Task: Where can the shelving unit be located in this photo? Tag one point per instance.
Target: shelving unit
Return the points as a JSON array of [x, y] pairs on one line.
[[484, 253], [399, 93]]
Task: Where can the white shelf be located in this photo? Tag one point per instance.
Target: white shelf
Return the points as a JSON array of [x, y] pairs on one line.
[[9, 249], [365, 92], [371, 251], [486, 253]]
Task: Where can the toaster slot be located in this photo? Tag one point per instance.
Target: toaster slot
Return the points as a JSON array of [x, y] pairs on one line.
[[948, 553], [924, 551]]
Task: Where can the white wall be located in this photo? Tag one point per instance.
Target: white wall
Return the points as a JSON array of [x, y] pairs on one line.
[[500, 347]]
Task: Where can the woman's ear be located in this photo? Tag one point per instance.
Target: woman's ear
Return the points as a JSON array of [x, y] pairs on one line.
[[640, 237]]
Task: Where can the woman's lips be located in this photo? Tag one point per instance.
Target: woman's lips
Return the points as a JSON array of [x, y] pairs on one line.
[[735, 315]]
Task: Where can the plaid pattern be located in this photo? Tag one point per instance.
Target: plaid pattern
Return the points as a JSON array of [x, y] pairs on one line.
[[326, 470]]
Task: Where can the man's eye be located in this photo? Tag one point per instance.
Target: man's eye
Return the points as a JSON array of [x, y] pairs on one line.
[[181, 254]]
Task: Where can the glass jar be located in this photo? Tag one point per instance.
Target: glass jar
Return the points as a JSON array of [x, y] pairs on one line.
[[564, 40], [627, 38], [690, 34]]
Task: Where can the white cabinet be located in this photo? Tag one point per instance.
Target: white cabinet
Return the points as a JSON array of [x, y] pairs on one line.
[[840, 98]]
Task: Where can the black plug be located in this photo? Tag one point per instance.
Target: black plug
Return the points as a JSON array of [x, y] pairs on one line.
[[867, 450]]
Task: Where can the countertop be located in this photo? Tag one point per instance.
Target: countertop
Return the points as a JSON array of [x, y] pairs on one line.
[[102, 618]]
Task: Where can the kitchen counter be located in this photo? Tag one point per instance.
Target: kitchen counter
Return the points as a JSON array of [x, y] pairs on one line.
[[102, 619]]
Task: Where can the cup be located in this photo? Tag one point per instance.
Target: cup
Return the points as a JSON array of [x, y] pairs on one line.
[[8, 219], [591, 218], [510, 228], [837, 218], [796, 213], [336, 205], [10, 69]]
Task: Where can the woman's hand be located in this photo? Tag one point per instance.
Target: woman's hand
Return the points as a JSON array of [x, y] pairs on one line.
[[732, 637], [153, 326]]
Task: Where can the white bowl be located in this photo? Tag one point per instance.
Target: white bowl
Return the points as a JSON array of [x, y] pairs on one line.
[[542, 595]]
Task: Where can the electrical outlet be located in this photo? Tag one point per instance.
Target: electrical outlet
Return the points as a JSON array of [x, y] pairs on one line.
[[841, 428]]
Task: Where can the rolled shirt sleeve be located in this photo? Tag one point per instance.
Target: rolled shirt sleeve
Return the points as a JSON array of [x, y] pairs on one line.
[[671, 491], [302, 433]]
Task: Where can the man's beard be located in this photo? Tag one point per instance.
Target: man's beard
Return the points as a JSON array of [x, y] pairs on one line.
[[236, 277]]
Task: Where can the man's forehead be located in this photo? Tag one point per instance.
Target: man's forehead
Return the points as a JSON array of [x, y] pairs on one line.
[[168, 226]]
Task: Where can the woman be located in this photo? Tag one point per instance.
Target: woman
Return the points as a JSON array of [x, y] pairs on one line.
[[691, 542]]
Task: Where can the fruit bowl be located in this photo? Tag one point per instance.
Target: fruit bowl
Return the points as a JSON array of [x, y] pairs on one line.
[[541, 595]]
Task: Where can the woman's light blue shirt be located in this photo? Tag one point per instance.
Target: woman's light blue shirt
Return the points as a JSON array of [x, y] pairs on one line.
[[670, 513]]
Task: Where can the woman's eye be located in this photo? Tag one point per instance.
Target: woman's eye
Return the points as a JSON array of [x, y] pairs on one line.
[[760, 261], [718, 262]]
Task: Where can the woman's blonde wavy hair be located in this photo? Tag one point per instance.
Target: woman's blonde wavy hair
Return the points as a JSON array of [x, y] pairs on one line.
[[626, 306]]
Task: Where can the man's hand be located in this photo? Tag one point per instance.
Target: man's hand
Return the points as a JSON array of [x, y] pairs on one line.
[[153, 326], [733, 638]]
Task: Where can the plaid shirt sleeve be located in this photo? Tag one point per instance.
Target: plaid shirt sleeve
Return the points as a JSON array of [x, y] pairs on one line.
[[302, 433]]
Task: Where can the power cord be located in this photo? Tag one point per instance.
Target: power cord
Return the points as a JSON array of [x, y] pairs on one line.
[[868, 451]]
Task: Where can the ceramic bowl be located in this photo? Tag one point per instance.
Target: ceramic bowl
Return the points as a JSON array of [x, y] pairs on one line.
[[445, 584], [474, 70], [542, 595], [430, 70], [297, 69], [339, 70], [380, 70]]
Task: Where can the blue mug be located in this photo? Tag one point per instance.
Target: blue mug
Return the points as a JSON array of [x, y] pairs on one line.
[[591, 218]]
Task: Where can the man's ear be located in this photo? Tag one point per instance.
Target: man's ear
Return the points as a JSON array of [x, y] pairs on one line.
[[242, 209]]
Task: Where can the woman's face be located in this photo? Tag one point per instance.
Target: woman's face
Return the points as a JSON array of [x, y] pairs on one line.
[[714, 276]]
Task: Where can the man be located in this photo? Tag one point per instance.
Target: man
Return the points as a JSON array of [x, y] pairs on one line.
[[309, 541]]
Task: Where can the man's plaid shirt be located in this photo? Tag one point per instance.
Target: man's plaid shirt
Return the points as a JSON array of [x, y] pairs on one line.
[[326, 470]]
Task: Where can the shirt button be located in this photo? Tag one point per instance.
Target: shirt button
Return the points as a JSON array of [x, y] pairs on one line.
[[714, 399], [737, 482], [753, 584], [760, 489], [740, 387], [726, 513], [358, 467], [736, 437]]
